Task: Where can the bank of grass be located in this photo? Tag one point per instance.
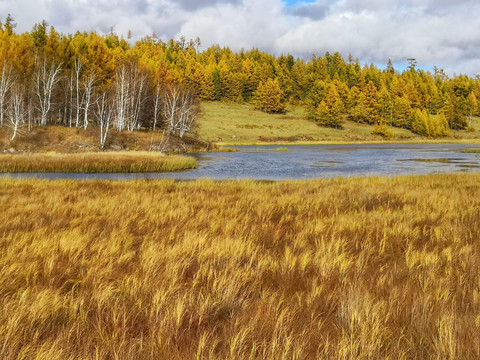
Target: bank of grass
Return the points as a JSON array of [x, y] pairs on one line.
[[95, 162], [358, 268], [471, 151], [63, 139], [241, 124]]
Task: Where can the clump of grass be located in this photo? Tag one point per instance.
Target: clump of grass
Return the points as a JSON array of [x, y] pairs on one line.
[[471, 151], [281, 149], [95, 162], [225, 149], [358, 268]]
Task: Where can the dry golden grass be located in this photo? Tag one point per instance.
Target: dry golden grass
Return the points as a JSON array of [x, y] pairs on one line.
[[62, 139], [96, 162], [367, 268]]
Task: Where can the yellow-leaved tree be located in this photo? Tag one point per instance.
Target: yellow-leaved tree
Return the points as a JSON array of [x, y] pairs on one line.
[[329, 111], [269, 97], [428, 125]]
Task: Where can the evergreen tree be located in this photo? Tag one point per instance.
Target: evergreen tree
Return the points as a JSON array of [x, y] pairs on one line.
[[427, 125], [386, 106], [329, 110], [402, 111], [367, 109], [269, 97], [217, 84]]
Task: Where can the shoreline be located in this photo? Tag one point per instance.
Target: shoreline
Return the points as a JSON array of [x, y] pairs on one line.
[[340, 142]]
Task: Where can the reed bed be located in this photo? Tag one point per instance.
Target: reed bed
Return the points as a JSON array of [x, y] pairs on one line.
[[95, 162], [359, 268]]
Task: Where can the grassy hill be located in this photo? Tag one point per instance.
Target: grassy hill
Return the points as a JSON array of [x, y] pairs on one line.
[[240, 124]]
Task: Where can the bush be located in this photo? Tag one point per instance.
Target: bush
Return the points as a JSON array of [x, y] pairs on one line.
[[384, 131]]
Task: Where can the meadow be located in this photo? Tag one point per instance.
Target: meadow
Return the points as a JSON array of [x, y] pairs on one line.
[[95, 162], [357, 268], [241, 124]]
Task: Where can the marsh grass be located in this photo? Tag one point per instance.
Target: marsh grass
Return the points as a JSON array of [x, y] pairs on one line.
[[95, 162], [359, 268]]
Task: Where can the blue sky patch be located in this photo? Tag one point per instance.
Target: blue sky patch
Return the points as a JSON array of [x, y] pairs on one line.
[[293, 2]]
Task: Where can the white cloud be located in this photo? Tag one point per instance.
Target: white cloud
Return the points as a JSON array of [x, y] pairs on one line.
[[436, 32]]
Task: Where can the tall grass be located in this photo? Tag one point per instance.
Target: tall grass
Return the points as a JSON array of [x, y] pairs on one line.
[[95, 162], [367, 268]]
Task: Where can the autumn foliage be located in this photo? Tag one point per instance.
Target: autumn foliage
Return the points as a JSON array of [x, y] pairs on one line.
[[51, 78]]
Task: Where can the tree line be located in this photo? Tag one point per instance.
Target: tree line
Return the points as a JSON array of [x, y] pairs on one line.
[[85, 79]]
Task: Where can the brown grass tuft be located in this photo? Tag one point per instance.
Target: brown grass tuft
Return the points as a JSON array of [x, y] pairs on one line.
[[363, 268], [96, 162]]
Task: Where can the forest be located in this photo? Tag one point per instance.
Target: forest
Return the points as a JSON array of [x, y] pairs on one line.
[[87, 79]]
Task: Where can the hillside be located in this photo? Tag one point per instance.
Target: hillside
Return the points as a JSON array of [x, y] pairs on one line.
[[240, 123]]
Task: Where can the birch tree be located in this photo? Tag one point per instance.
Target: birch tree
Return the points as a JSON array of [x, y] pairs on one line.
[[180, 109], [122, 93], [138, 97], [16, 109], [104, 114], [88, 85], [130, 96], [6, 81], [78, 65], [46, 76], [156, 106]]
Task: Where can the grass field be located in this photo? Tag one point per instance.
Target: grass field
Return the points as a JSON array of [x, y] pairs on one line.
[[241, 124], [96, 162], [358, 268]]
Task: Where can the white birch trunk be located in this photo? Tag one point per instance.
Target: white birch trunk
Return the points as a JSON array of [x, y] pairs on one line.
[[104, 115], [156, 106], [78, 68], [6, 81], [46, 77], [16, 110], [88, 85]]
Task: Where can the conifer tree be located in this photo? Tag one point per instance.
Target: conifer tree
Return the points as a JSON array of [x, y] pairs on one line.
[[386, 106], [208, 87], [367, 109], [402, 111], [269, 97], [217, 84], [427, 125], [329, 110]]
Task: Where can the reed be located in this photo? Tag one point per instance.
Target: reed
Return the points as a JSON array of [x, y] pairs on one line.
[[95, 162], [357, 268]]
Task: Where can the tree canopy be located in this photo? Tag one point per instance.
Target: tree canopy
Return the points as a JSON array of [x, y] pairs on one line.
[[330, 87]]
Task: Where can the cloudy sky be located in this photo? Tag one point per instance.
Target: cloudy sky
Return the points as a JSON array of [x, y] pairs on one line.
[[444, 33]]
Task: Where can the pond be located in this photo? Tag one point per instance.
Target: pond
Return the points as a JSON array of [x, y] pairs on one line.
[[312, 161]]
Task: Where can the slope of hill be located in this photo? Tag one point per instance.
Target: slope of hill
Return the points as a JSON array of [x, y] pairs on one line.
[[240, 124]]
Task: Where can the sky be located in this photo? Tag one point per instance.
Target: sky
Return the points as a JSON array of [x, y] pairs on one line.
[[442, 33]]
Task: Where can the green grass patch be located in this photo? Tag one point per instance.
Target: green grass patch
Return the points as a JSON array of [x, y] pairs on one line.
[[106, 162], [241, 124], [471, 151], [238, 124]]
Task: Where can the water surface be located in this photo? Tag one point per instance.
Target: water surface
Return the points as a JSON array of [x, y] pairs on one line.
[[311, 161]]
